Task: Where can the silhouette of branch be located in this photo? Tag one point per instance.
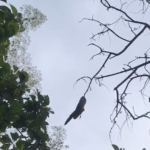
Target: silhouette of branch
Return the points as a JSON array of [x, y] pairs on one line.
[[124, 71], [107, 29], [132, 72], [96, 74], [125, 79], [127, 46]]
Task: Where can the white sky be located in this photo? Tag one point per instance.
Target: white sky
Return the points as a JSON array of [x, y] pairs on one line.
[[59, 49]]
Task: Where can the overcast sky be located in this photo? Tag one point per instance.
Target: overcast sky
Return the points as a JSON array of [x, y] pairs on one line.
[[59, 49]]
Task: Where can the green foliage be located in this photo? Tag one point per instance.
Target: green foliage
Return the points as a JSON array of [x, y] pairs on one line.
[[14, 10], [115, 147], [25, 114], [8, 24]]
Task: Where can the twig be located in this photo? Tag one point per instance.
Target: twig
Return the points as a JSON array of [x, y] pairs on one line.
[[97, 74]]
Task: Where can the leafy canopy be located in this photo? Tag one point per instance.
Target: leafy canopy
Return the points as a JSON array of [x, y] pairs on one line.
[[23, 117]]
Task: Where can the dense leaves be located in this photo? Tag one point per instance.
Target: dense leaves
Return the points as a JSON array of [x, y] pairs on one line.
[[23, 115], [115, 147]]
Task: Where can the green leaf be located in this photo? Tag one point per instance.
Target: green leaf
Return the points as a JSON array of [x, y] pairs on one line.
[[52, 112], [14, 136], [30, 116], [23, 76], [7, 95], [6, 68], [6, 146], [4, 1], [3, 110], [20, 122], [46, 123], [6, 138], [15, 107], [1, 62], [44, 126], [2, 34], [1, 17], [33, 97], [46, 101], [28, 90], [2, 85], [115, 147], [14, 10], [13, 28], [40, 97], [20, 145], [3, 126], [5, 9], [15, 68], [17, 92]]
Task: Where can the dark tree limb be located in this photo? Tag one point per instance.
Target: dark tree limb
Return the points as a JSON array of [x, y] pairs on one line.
[[96, 74]]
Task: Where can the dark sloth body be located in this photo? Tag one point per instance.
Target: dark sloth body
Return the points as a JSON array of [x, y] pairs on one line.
[[78, 111]]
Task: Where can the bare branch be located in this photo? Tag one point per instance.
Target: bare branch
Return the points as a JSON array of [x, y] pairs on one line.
[[108, 6], [137, 28], [127, 46], [108, 29], [97, 74], [136, 67], [125, 79], [101, 50], [82, 78]]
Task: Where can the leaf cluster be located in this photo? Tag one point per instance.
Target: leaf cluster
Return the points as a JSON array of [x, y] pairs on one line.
[[23, 117]]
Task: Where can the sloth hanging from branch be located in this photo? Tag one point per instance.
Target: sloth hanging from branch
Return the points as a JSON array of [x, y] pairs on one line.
[[80, 107], [78, 111]]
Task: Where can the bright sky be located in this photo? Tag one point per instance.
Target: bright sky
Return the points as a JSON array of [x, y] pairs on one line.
[[59, 49]]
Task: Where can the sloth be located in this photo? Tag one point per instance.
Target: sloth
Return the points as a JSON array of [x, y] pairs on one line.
[[78, 111]]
